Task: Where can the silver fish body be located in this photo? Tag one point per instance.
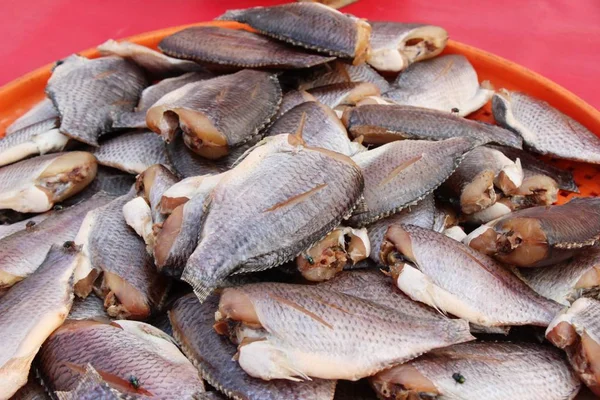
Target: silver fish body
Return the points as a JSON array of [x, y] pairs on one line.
[[41, 117], [341, 72], [544, 129], [344, 94], [447, 83], [291, 99], [27, 142], [92, 307], [89, 93]]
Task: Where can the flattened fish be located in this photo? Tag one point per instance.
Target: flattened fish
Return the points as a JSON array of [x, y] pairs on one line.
[[577, 331], [343, 94], [380, 123], [29, 312], [29, 223], [150, 95], [396, 45], [131, 286], [447, 83], [541, 236], [333, 3], [481, 370], [536, 190], [298, 329], [544, 129], [474, 180], [401, 173], [34, 185], [42, 117], [152, 184], [132, 152], [329, 256], [341, 72], [222, 46], [454, 278], [91, 386], [156, 64], [422, 214], [309, 25], [138, 352], [92, 307], [24, 251], [291, 99], [25, 143], [217, 114], [180, 192], [212, 354], [567, 281], [188, 164], [272, 226], [319, 127], [108, 180], [90, 93]]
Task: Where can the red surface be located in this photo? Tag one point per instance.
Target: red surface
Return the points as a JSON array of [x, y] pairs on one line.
[[557, 38]]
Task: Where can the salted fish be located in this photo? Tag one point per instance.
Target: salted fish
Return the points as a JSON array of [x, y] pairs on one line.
[[482, 370], [151, 185], [142, 361], [284, 219], [456, 279], [297, 326], [319, 127], [91, 386], [25, 143], [447, 83], [150, 95], [92, 307], [36, 184], [381, 123], [344, 94], [131, 286], [541, 236], [309, 25], [24, 251], [30, 311], [576, 330], [566, 281], [399, 174], [341, 72], [156, 64], [212, 354], [221, 46], [217, 114], [396, 45], [187, 163], [90, 93], [42, 117], [108, 180], [182, 191], [29, 223], [544, 129], [422, 214], [291, 99], [132, 152]]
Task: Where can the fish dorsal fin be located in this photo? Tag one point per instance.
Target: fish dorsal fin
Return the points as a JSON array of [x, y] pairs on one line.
[[296, 139]]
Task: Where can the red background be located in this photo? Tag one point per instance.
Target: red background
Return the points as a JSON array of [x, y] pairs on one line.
[[557, 38]]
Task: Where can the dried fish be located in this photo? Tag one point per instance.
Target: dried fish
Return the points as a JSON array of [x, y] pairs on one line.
[[108, 180], [565, 282], [447, 83], [29, 223], [481, 370], [180, 192], [500, 208], [395, 45], [34, 185], [341, 72], [187, 163], [138, 216], [156, 64], [25, 143], [576, 330], [309, 25], [422, 214], [131, 287], [329, 256], [221, 46], [29, 312], [401, 173], [474, 180], [92, 307], [319, 127], [544, 129], [24, 251], [535, 190], [132, 152], [281, 183], [292, 332], [379, 124], [90, 93], [152, 184], [344, 94], [454, 278], [142, 361], [212, 354], [217, 114], [541, 236], [150, 95], [41, 117], [291, 99], [91, 386], [333, 3]]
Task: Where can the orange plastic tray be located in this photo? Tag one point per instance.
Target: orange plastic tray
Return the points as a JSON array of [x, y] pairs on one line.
[[19, 95]]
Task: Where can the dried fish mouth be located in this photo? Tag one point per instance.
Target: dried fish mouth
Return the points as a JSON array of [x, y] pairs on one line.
[[61, 179], [479, 194], [403, 382], [536, 190], [524, 241]]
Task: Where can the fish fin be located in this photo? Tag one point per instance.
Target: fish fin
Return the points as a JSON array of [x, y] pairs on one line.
[[296, 199], [301, 309], [298, 135], [406, 164], [113, 380]]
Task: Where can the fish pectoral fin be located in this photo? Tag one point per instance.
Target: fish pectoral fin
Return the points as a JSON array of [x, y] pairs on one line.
[[301, 309], [396, 171], [297, 198], [121, 384]]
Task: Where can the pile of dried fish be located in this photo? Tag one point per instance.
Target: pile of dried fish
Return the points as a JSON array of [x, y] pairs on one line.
[[294, 209]]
